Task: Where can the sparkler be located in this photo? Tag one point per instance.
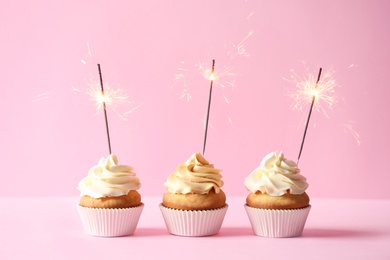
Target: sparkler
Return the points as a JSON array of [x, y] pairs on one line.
[[208, 107], [314, 94], [103, 100]]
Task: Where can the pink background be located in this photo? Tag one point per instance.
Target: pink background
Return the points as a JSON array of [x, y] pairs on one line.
[[52, 135]]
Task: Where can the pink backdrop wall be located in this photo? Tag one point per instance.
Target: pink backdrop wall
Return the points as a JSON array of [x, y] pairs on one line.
[[51, 134]]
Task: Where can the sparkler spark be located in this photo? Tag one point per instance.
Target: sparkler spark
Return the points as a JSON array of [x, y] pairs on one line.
[[181, 75], [240, 47], [83, 61], [75, 89], [250, 15], [186, 94], [349, 128], [132, 110], [227, 101], [41, 97]]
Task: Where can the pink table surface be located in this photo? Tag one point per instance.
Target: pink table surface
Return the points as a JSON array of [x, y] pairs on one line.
[[50, 228]]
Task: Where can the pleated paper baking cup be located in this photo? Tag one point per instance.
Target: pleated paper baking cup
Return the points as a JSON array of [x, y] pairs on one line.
[[193, 223], [110, 222], [277, 223]]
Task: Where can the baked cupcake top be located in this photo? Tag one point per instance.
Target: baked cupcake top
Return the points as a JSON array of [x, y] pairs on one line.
[[109, 179], [195, 176], [276, 176]]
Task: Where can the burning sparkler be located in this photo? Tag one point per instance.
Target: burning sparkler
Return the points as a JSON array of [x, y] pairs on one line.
[[211, 78], [224, 76], [320, 94], [314, 94], [114, 97], [102, 99]]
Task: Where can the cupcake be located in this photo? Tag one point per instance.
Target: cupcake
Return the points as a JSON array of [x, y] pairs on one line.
[[194, 204], [277, 204], [110, 204]]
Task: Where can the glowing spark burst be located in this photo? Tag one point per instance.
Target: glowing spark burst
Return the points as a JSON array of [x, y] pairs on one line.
[[306, 88], [221, 77], [113, 97]]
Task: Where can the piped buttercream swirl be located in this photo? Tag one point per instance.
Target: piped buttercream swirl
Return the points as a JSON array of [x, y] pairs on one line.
[[195, 176], [275, 176], [109, 179]]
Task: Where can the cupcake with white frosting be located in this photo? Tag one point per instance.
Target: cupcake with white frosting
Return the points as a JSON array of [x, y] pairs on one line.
[[277, 204], [110, 204], [194, 204]]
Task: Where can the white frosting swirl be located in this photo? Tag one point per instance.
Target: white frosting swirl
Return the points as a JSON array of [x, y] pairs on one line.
[[109, 179], [196, 176], [275, 176]]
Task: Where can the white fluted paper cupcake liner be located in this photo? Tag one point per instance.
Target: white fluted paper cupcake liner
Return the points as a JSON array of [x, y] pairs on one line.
[[277, 223], [193, 222], [110, 222]]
